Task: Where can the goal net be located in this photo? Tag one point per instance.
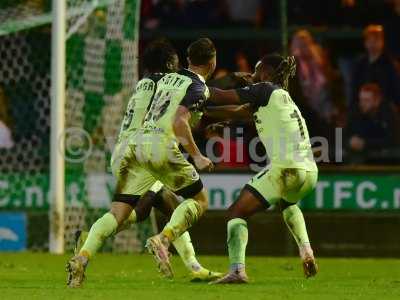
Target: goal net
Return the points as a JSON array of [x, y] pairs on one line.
[[101, 71]]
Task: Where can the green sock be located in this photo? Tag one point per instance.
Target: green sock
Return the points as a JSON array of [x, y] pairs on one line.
[[100, 230], [128, 222], [183, 217], [184, 247], [237, 240], [295, 222]]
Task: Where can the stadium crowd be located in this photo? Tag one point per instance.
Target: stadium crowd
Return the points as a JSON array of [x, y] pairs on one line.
[[355, 88], [350, 84], [266, 13]]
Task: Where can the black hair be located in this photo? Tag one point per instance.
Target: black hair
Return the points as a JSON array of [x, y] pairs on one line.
[[158, 57], [279, 68], [200, 52]]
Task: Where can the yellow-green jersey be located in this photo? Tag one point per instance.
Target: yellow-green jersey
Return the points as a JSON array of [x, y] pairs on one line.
[[153, 153], [138, 106], [280, 126], [174, 89]]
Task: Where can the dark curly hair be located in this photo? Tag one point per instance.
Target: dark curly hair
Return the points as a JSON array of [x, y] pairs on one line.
[[279, 68], [158, 57]]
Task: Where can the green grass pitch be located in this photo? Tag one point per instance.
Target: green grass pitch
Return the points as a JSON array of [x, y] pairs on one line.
[[42, 276]]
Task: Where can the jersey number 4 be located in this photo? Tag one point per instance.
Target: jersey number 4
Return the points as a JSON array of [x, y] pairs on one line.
[[295, 115]]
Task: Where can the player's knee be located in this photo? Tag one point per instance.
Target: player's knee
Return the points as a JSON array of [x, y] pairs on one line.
[[143, 208], [202, 199], [140, 215], [120, 211], [233, 213], [283, 205], [166, 202], [203, 204], [118, 217]]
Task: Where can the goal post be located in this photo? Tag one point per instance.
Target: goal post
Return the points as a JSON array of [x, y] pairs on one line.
[[100, 71], [57, 127], [68, 70]]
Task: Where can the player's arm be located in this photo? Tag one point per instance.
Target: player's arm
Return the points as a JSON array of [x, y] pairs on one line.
[[230, 112], [184, 135], [256, 95], [231, 81], [183, 131], [223, 97]]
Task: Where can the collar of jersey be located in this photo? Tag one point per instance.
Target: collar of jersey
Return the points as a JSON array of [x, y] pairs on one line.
[[200, 76]]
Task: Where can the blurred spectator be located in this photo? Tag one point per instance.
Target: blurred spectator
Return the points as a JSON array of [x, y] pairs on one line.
[[204, 13], [181, 13], [313, 73], [147, 17], [242, 63], [6, 141], [375, 66], [170, 12], [352, 13], [392, 31], [349, 13], [306, 12], [371, 128], [245, 13], [220, 73]]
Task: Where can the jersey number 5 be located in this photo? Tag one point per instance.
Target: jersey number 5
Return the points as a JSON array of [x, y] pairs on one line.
[[128, 115]]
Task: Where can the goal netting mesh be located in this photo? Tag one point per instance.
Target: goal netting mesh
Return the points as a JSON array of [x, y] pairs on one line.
[[101, 71]]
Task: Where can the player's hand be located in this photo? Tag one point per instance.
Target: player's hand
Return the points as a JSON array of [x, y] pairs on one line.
[[216, 128], [203, 163], [243, 78], [199, 106], [357, 143]]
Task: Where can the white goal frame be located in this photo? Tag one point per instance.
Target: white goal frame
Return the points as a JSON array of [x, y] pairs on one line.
[[57, 128]]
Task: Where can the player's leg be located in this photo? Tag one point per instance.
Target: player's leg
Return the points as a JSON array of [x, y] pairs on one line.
[[142, 207], [294, 218], [295, 222], [248, 204], [166, 202], [132, 182], [187, 213], [107, 225], [103, 228], [181, 177], [181, 219], [252, 199], [158, 197], [87, 243], [141, 210]]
